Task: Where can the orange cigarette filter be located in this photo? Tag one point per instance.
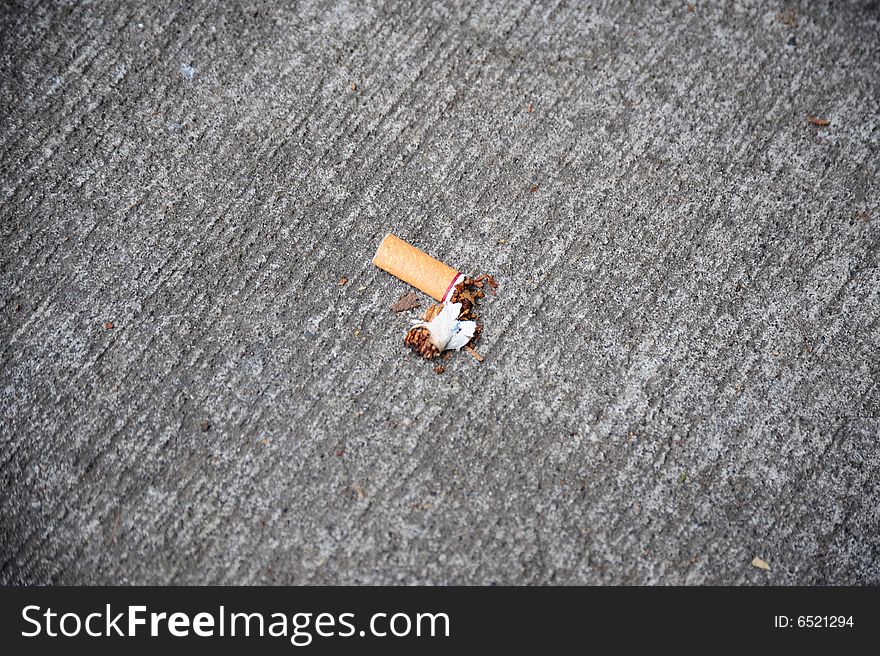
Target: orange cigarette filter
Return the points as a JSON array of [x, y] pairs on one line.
[[415, 266]]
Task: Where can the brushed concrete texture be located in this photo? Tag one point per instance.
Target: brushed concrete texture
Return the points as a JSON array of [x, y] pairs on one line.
[[682, 361]]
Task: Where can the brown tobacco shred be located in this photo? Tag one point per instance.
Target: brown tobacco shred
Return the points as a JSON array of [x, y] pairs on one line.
[[432, 312], [406, 302], [820, 122], [418, 340], [473, 352], [490, 280], [467, 293]]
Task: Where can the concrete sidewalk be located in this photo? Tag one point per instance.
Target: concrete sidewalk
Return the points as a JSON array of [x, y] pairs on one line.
[[682, 363]]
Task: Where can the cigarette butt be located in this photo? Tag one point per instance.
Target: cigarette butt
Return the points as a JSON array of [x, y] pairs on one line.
[[415, 267]]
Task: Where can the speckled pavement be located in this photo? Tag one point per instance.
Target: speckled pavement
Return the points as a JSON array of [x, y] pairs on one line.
[[681, 363]]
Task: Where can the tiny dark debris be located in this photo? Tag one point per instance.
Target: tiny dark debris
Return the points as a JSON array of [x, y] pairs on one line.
[[205, 425]]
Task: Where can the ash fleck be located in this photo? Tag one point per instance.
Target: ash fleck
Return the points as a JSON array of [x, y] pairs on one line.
[[760, 563], [187, 71]]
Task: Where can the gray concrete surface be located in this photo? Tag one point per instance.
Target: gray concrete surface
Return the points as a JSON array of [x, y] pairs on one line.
[[681, 364]]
